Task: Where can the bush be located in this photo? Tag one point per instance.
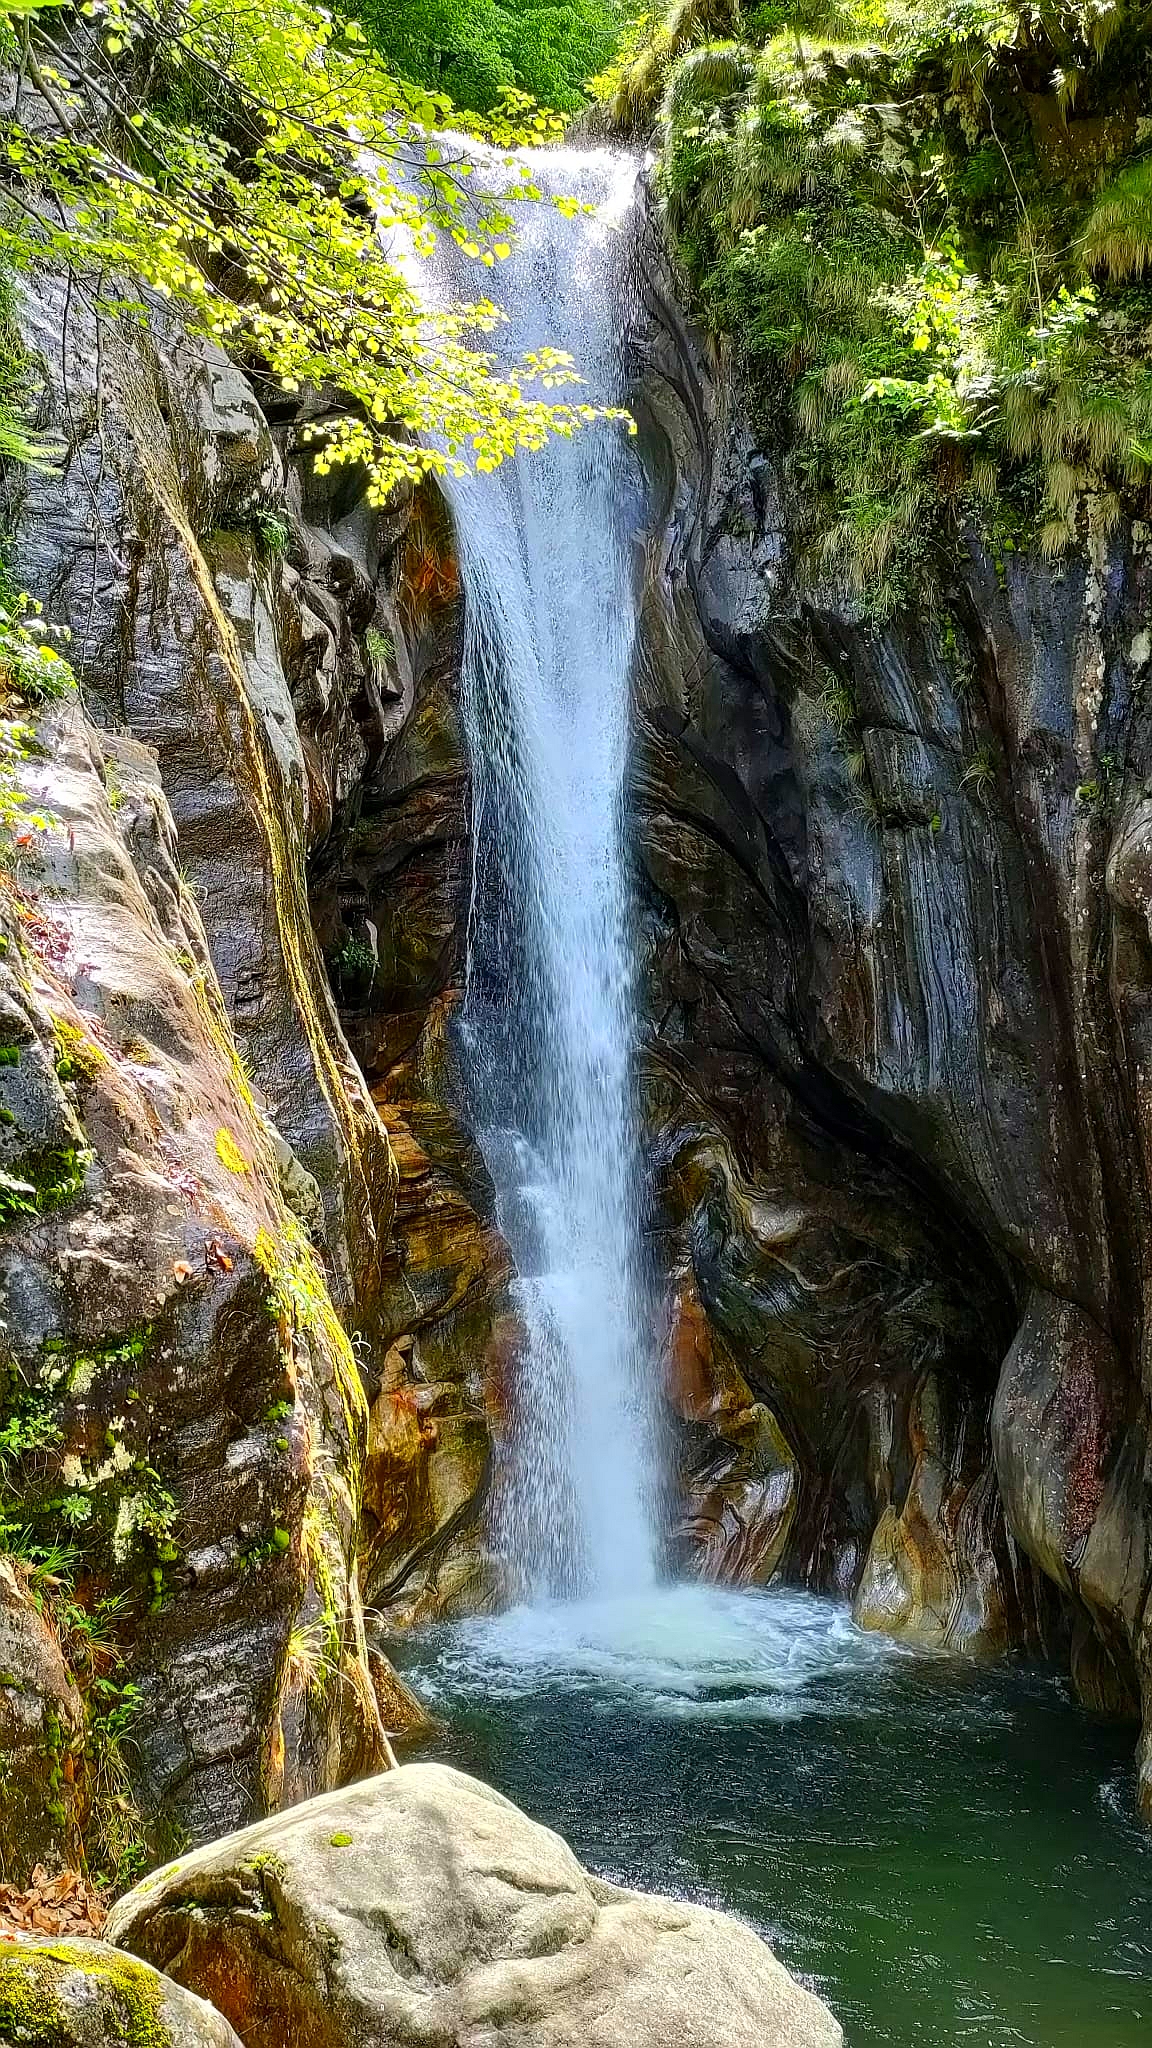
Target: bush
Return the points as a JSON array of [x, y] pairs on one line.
[[475, 50], [938, 282]]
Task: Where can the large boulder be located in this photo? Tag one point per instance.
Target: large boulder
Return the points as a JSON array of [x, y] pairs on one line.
[[422, 1907], [83, 1994]]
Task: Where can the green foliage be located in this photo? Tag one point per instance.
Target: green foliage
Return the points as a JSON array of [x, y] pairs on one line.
[[933, 269], [18, 823], [980, 774], [1117, 235], [86, 1622], [379, 646], [356, 962], [272, 532], [30, 1424], [658, 34], [236, 160], [476, 50], [116, 1508]]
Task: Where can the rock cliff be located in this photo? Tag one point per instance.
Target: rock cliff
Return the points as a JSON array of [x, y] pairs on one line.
[[198, 1189], [897, 969]]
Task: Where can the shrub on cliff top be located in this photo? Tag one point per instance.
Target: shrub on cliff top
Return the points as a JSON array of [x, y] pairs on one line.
[[475, 50], [929, 232]]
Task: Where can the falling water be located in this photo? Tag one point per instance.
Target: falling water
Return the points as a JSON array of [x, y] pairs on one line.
[[546, 559]]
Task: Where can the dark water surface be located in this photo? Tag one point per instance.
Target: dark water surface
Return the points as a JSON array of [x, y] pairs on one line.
[[947, 1853]]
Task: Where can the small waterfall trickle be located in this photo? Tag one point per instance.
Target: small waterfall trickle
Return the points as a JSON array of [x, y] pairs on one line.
[[547, 563]]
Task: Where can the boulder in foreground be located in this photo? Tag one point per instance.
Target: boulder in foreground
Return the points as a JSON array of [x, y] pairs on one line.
[[60, 1993], [422, 1907]]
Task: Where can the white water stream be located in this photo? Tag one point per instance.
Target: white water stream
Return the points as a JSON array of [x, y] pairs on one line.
[[547, 563]]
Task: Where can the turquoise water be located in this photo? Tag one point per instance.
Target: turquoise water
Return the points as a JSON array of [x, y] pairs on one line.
[[948, 1853]]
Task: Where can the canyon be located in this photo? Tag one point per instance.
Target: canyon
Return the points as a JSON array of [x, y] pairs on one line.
[[864, 1166]]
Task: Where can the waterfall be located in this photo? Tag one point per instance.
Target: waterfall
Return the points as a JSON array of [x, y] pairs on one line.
[[546, 559]]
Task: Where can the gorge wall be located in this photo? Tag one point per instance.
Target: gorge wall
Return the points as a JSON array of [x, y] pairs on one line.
[[898, 961], [896, 955], [201, 1202]]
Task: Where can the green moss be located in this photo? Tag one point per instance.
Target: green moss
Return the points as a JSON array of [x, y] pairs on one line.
[[936, 290], [275, 1544], [84, 1366], [44, 1178], [302, 1307], [341, 1841], [33, 2014], [79, 1059]]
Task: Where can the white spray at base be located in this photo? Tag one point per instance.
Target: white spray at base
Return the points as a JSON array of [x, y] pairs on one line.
[[546, 561]]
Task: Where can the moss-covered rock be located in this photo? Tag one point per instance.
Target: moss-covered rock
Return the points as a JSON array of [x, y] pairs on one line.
[[925, 234], [58, 1993]]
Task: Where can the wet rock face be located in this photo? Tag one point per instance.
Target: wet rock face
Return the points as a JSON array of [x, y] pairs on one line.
[[163, 547], [738, 1479], [897, 901], [421, 1906], [181, 1409], [390, 890]]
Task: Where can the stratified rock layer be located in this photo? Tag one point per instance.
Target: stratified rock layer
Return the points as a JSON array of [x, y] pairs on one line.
[[422, 1907]]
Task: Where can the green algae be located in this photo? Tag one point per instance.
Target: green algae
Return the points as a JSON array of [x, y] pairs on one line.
[[34, 2010]]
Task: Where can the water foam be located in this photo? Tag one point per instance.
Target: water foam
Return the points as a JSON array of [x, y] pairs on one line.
[[699, 1651]]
